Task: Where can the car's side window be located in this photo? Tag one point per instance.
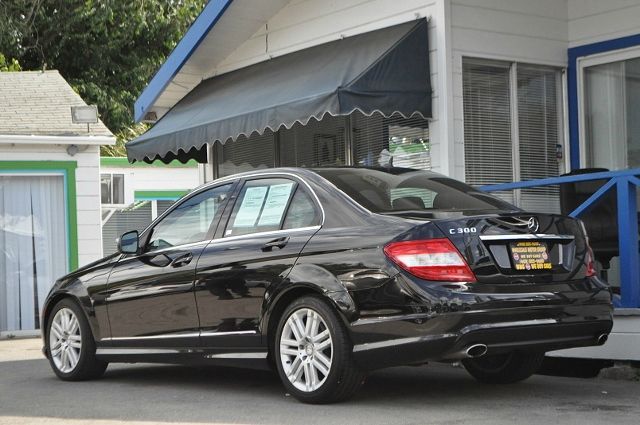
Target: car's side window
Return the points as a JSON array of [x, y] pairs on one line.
[[190, 221], [261, 206], [302, 211]]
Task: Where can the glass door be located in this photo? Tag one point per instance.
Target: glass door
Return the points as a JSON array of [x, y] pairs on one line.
[[33, 246], [611, 111], [610, 118]]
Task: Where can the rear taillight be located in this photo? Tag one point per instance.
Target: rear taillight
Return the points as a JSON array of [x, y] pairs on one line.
[[431, 259]]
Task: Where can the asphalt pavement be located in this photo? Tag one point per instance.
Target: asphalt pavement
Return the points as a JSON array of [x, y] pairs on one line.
[[160, 394]]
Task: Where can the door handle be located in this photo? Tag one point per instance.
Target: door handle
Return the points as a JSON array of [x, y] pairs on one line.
[[183, 260], [276, 243]]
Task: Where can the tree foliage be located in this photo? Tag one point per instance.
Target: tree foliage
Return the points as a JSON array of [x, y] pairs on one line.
[[108, 50], [9, 65]]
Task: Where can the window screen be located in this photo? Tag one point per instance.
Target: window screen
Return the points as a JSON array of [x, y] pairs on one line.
[[317, 144], [246, 154], [403, 141]]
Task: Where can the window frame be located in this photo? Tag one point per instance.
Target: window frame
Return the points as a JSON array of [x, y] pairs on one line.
[[225, 218], [512, 67], [112, 188], [611, 56]]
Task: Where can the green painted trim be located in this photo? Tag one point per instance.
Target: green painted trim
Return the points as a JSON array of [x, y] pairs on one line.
[[159, 195], [122, 162], [68, 168], [72, 214]]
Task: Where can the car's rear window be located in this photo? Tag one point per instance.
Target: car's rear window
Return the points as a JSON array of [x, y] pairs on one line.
[[409, 190]]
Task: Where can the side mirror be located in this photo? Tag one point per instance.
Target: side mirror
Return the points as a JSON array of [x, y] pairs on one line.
[[128, 243]]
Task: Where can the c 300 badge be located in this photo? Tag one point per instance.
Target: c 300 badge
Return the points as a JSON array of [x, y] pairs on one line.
[[462, 230]]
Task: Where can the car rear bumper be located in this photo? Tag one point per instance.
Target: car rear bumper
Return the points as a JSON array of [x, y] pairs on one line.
[[401, 340]]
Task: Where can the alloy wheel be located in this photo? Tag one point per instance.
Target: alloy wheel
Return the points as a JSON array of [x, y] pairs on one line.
[[65, 340], [306, 349]]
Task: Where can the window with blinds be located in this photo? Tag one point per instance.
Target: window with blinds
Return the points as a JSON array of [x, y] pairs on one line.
[[245, 154], [316, 144], [488, 147], [403, 142], [371, 140], [504, 119], [538, 134]]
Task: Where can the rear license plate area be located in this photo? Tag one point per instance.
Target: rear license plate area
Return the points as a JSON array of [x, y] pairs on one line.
[[530, 255]]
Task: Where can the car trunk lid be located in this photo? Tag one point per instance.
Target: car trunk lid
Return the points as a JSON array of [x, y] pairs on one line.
[[519, 247]]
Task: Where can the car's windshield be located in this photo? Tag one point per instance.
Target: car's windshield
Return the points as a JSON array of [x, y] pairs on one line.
[[397, 190]]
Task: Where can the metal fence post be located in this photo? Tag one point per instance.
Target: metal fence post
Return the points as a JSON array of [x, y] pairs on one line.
[[628, 240]]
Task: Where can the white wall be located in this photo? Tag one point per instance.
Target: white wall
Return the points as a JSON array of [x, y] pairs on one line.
[[514, 30], [87, 190], [591, 21]]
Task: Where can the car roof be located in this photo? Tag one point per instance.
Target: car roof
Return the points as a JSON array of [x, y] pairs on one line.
[[389, 170], [313, 173], [302, 171]]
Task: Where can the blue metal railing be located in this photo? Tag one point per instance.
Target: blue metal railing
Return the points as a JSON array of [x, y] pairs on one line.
[[626, 183]]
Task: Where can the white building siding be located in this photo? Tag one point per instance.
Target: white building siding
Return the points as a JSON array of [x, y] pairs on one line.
[[305, 23], [513, 30], [156, 178], [87, 190], [591, 21]]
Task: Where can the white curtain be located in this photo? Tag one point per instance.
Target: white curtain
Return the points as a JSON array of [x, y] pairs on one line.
[[605, 116], [33, 246]]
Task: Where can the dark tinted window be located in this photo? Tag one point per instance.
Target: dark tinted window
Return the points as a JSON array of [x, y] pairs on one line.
[[409, 190]]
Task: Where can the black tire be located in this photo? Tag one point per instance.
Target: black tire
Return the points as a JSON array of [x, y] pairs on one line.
[[344, 378], [505, 368], [88, 366]]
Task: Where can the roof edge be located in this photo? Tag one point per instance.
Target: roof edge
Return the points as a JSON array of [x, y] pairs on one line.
[[35, 139], [207, 19]]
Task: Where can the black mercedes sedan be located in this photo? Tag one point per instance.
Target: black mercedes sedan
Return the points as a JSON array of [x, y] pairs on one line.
[[326, 274]]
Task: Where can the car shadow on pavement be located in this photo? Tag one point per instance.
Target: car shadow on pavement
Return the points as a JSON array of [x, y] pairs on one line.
[[165, 393]]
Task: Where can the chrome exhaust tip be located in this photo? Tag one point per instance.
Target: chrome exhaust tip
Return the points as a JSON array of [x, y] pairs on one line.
[[602, 339], [476, 350]]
